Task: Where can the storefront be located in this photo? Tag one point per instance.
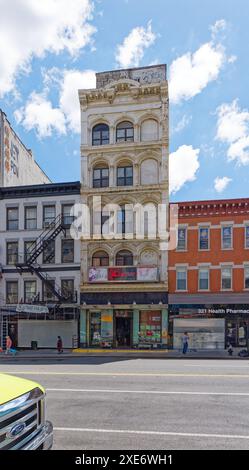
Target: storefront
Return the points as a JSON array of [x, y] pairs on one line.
[[209, 326], [122, 327], [41, 325]]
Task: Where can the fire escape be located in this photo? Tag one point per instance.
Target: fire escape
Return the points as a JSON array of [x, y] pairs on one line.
[[29, 262]]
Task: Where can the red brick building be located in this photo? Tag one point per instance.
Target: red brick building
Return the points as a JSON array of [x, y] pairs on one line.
[[209, 275]]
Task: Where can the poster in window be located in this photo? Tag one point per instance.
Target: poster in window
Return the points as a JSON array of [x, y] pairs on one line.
[[204, 238], [98, 275]]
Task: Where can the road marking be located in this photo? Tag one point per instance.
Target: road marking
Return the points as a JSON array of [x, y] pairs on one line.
[[156, 433], [128, 374], [148, 392]]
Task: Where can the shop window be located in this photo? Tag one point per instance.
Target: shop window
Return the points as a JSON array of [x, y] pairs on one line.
[[100, 177], [247, 277], [182, 239], [125, 132], [226, 278], [49, 253], [150, 327], [125, 176], [11, 292], [12, 218], [226, 237], [30, 218], [203, 238], [95, 329], [48, 215], [247, 236], [12, 252], [100, 134], [100, 258], [203, 279], [181, 279], [237, 333], [67, 251], [124, 258], [29, 291]]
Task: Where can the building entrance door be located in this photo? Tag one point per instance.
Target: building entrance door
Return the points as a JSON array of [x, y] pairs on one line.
[[123, 332]]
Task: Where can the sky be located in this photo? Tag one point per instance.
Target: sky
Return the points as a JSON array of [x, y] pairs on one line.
[[52, 48]]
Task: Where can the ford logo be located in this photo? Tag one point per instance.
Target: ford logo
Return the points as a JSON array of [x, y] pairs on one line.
[[16, 430]]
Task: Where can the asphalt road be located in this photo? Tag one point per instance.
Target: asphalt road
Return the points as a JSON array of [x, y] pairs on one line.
[[113, 403]]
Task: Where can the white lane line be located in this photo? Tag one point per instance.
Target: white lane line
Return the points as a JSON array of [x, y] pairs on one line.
[[127, 374], [150, 433], [148, 392]]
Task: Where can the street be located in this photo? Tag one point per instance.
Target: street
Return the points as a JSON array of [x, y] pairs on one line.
[[98, 403]]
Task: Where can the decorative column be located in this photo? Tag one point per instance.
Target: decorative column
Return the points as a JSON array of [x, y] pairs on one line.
[[136, 174]]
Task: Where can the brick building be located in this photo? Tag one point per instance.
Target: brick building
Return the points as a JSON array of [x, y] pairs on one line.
[[209, 275]]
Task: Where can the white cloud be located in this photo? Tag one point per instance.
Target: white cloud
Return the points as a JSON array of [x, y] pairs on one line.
[[131, 51], [191, 73], [217, 27], [73, 80], [184, 121], [29, 28], [221, 183], [39, 114], [183, 165], [232, 59], [233, 129]]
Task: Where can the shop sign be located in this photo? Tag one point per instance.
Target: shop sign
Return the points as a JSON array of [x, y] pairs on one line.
[[147, 274], [223, 311], [122, 313], [122, 274], [98, 275], [22, 308]]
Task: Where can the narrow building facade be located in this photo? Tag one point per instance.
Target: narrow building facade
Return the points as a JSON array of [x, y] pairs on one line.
[[124, 186]]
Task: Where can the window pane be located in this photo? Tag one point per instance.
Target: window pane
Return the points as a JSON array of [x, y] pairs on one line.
[[121, 172], [48, 290], [49, 253], [181, 245], [247, 236], [29, 291], [12, 253], [181, 280], [226, 278], [12, 219], [11, 292], [129, 171], [67, 251], [96, 174], [226, 237], [247, 278], [204, 236], [203, 279]]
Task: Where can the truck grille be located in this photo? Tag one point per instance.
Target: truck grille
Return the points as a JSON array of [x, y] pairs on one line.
[[20, 420]]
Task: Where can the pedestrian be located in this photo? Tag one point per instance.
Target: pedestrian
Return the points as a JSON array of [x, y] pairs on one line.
[[59, 345], [8, 344], [185, 340]]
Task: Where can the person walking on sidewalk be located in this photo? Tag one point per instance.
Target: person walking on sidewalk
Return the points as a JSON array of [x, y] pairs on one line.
[[59, 345], [185, 340], [8, 345]]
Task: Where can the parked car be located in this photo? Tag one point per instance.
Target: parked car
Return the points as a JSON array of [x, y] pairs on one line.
[[23, 422]]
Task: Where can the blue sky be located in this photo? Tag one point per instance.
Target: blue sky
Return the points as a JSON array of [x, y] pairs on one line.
[[50, 51]]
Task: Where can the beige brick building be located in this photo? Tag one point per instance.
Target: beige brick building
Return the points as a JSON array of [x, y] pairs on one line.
[[124, 165]]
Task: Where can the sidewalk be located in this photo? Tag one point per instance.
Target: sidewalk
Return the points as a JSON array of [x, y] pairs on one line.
[[124, 353]]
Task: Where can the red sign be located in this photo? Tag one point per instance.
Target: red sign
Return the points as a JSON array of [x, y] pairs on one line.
[[122, 274]]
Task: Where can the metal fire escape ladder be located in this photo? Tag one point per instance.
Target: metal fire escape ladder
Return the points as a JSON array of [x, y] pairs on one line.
[[38, 247]]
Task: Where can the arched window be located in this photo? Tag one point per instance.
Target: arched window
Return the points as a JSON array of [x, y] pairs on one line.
[[101, 177], [149, 130], [124, 258], [100, 258], [100, 134], [125, 132]]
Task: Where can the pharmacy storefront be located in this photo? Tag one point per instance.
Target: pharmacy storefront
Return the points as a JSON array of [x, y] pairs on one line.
[[209, 327]]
